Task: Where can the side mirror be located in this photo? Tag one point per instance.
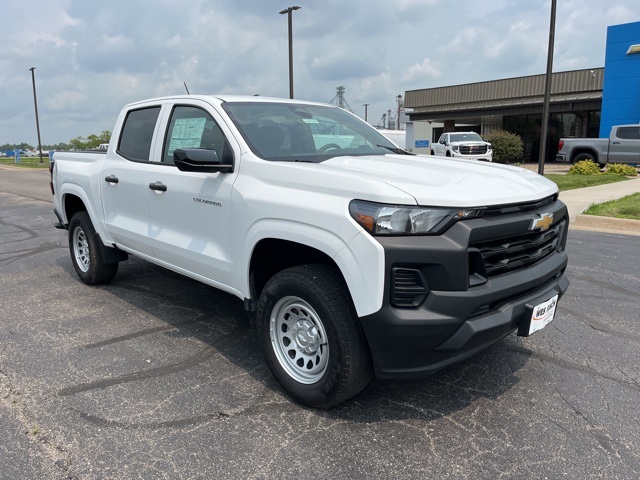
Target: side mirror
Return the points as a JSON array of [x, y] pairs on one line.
[[199, 160]]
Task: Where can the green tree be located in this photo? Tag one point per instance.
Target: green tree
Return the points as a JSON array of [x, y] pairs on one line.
[[56, 146], [92, 141]]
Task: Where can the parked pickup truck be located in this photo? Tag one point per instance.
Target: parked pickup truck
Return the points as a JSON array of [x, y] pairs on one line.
[[622, 146], [358, 258], [467, 145]]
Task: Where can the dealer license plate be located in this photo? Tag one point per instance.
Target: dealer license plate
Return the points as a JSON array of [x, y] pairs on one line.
[[542, 314]]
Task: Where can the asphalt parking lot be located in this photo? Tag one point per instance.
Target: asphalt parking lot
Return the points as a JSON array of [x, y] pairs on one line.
[[158, 376]]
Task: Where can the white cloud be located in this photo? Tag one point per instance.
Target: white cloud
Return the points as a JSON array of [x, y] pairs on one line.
[[421, 72], [93, 57]]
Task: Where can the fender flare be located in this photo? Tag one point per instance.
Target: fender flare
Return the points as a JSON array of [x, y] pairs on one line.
[[361, 259]]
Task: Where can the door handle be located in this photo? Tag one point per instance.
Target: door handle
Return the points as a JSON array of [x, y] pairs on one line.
[[112, 179], [616, 143], [158, 187]]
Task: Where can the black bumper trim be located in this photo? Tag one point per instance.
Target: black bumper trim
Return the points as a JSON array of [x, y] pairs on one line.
[[456, 320]]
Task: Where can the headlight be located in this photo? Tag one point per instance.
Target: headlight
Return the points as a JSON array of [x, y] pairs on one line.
[[488, 146], [381, 219], [455, 148]]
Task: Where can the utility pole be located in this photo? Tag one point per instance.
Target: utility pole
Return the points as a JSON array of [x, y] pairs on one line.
[[35, 102], [288, 11], [547, 91], [366, 106]]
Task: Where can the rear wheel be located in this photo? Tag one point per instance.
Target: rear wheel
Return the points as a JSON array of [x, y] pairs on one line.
[[312, 340], [86, 253]]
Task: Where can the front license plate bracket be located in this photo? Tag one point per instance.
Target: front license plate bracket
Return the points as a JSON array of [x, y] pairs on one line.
[[541, 315]]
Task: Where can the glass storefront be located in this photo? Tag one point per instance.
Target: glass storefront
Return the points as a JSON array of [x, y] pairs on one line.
[[561, 125]]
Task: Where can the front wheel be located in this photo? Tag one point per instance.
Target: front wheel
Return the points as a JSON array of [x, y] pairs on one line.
[[86, 253], [312, 340]]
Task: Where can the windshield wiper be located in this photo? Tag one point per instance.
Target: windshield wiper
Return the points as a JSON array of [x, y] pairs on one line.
[[398, 150]]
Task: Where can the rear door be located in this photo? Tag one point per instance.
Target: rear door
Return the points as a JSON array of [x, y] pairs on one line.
[[624, 146], [189, 212], [123, 181]]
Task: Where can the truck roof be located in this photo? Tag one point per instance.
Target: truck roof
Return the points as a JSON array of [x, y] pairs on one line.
[[227, 98]]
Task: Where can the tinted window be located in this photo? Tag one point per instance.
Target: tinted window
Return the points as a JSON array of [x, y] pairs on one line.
[[137, 133], [629, 132], [192, 127]]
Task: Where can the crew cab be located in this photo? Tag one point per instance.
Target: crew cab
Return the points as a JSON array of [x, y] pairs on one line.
[[622, 146], [468, 145], [357, 258]]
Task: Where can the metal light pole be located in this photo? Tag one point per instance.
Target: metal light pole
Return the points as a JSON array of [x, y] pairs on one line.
[[35, 102], [547, 91], [366, 107], [288, 11]]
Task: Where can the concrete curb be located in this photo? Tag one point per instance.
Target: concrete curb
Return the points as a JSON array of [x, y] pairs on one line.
[[606, 224], [579, 199]]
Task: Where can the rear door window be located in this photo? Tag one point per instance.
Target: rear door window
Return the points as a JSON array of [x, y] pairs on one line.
[[137, 133]]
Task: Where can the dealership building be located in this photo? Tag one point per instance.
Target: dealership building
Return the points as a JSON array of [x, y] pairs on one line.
[[583, 103]]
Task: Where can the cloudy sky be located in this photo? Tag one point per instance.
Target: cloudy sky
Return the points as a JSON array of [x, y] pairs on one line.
[[92, 57]]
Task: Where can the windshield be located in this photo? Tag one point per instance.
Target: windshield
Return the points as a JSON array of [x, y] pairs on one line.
[[308, 133], [466, 137]]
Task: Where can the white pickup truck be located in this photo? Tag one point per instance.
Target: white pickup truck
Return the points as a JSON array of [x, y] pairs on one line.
[[358, 258], [468, 145]]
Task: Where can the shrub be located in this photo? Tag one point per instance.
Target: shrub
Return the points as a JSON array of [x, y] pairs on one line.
[[620, 169], [507, 146], [584, 167]]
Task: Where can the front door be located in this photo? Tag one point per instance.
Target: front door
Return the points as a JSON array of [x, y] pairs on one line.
[[624, 147], [189, 212]]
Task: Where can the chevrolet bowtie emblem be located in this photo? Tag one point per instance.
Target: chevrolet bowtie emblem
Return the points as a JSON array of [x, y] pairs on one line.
[[543, 223]]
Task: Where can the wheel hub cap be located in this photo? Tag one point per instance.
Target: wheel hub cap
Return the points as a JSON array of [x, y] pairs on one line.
[[306, 337], [299, 340]]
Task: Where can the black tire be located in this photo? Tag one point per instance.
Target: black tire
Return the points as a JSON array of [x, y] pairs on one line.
[[86, 252], [312, 339]]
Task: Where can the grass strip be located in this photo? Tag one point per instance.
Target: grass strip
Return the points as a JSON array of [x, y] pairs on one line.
[[625, 207], [571, 182], [26, 162]]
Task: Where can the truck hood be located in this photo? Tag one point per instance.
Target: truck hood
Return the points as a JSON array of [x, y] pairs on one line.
[[451, 182]]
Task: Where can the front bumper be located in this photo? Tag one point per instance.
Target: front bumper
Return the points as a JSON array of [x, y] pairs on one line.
[[488, 157], [460, 315]]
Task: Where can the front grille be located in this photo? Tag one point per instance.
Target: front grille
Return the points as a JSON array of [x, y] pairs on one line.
[[473, 149], [517, 252]]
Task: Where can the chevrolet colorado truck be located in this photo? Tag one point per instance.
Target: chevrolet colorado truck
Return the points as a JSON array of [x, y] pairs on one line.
[[467, 145], [358, 258], [622, 146]]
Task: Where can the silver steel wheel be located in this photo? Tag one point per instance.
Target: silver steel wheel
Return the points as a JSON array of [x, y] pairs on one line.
[[81, 249], [299, 340]]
